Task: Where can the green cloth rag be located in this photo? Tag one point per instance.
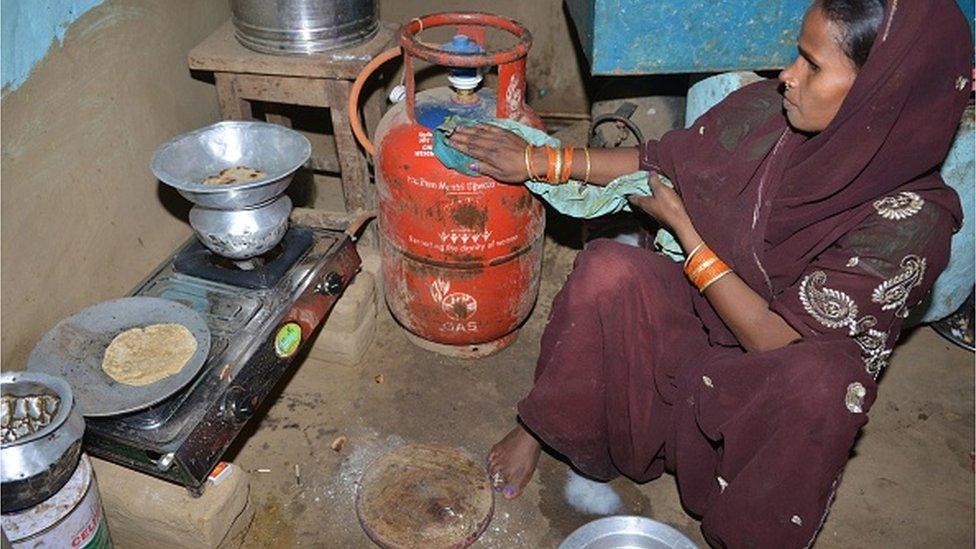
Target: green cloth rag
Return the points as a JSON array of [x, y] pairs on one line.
[[574, 198]]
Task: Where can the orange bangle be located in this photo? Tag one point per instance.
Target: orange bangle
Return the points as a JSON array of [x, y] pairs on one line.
[[708, 272], [713, 280], [696, 259], [703, 268], [551, 169], [567, 164], [559, 166], [535, 176]]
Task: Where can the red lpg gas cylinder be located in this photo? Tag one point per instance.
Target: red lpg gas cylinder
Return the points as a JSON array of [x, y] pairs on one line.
[[461, 255]]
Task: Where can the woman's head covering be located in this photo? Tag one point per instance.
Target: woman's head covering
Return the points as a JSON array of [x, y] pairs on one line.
[[772, 199]]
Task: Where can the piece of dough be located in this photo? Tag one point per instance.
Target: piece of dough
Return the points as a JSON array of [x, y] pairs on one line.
[[140, 356], [237, 174]]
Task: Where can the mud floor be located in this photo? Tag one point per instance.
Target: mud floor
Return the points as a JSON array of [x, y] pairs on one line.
[[909, 484]]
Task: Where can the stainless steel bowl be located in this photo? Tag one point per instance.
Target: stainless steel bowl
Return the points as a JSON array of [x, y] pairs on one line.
[[242, 234], [35, 466], [630, 532], [186, 160]]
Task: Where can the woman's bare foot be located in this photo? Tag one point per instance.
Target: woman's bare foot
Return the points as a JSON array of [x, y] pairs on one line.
[[512, 461]]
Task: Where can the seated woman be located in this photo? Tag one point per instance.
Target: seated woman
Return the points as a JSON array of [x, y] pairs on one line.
[[813, 217]]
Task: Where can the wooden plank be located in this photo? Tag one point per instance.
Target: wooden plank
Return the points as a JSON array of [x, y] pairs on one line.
[[324, 219], [283, 89], [324, 164], [221, 52], [373, 112], [356, 188], [232, 106], [278, 119]]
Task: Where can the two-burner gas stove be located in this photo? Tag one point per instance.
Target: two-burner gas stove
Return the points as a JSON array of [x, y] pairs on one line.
[[259, 320]]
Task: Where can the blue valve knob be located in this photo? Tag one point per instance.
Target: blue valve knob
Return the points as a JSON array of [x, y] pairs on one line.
[[463, 78]]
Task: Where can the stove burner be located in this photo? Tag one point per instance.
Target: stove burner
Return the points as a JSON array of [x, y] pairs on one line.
[[256, 273], [249, 264], [182, 438]]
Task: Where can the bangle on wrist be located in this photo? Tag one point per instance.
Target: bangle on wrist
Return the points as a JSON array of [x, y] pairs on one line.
[[700, 267], [694, 251], [558, 169], [551, 164], [586, 178], [567, 164], [703, 268], [713, 280]]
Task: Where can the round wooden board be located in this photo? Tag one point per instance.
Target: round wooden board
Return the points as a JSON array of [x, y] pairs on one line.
[[424, 496]]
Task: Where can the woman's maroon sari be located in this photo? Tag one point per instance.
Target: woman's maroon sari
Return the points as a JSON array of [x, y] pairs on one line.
[[842, 232]]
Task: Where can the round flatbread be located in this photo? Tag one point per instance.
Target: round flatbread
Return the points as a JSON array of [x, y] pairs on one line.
[[237, 174], [140, 356]]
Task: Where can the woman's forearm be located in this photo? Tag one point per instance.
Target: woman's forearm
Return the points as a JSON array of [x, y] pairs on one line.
[[605, 164], [744, 312]]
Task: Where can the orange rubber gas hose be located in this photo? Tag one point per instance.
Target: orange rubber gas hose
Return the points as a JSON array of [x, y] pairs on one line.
[[357, 87]]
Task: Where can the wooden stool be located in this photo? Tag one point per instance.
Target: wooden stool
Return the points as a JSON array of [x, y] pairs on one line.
[[317, 80]]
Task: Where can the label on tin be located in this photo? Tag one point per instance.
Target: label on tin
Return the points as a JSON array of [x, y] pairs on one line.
[[287, 340], [95, 534], [70, 518]]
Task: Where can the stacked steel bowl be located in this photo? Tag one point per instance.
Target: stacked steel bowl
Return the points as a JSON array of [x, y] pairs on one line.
[[238, 220]]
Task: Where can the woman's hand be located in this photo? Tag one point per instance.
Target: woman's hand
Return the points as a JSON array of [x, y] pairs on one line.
[[500, 154], [663, 204]]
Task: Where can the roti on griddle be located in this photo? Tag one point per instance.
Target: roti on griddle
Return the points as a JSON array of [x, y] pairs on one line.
[[237, 174], [140, 356]]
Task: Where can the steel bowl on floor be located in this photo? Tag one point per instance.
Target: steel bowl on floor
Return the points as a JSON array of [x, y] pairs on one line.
[[630, 532]]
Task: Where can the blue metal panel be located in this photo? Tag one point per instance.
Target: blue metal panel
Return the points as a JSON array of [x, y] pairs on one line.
[[621, 37]]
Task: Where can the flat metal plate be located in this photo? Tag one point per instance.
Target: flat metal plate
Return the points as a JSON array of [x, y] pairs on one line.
[[74, 349], [424, 496]]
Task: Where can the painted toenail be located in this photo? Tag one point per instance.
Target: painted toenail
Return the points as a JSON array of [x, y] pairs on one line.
[[509, 491], [497, 480]]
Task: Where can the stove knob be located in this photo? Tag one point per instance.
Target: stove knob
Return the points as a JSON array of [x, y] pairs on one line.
[[331, 284], [238, 405]]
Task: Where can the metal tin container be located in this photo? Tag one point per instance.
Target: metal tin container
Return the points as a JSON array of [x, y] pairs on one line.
[[35, 466], [303, 26], [72, 517]]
